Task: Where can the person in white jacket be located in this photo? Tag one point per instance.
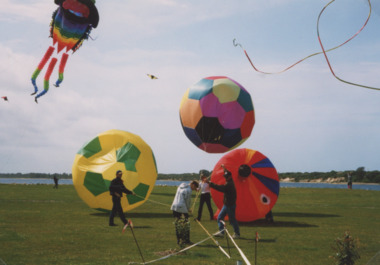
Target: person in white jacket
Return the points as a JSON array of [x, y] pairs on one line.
[[181, 207]]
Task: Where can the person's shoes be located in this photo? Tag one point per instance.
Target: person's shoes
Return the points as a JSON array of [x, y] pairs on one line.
[[235, 236], [219, 234], [189, 243], [113, 224]]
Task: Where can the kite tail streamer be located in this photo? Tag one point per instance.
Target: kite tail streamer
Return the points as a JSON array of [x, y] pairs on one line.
[[317, 53], [287, 68], [61, 69], [324, 52], [47, 78], [41, 65]]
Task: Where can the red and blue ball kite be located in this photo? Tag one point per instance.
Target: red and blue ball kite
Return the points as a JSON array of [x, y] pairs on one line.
[[256, 182]]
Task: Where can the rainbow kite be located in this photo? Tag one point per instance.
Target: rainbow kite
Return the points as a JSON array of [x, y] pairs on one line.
[[71, 24]]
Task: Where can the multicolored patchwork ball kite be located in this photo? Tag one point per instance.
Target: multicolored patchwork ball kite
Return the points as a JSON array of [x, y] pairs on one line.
[[217, 114], [71, 24]]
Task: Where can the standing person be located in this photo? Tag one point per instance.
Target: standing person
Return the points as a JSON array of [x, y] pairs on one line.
[[181, 207], [55, 182], [349, 180], [229, 203], [116, 190], [205, 197], [269, 217]]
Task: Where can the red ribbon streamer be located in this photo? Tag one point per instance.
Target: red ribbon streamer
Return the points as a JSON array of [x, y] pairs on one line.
[[317, 53]]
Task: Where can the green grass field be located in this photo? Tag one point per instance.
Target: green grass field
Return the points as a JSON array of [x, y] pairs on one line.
[[41, 225]]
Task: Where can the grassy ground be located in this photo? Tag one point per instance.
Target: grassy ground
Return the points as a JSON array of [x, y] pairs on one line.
[[41, 225]]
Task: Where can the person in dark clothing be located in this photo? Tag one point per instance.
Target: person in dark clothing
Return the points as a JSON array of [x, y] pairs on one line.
[[269, 217], [116, 190], [349, 180], [229, 203], [55, 182]]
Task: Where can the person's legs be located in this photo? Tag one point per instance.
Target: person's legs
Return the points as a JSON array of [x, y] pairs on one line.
[[119, 210], [177, 216], [200, 209], [208, 203], [113, 212], [231, 215], [186, 232], [182, 228], [222, 214]]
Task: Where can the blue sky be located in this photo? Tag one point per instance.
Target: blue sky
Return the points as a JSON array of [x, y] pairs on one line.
[[306, 120]]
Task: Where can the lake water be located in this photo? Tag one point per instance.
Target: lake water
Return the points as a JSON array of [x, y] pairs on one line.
[[176, 183]]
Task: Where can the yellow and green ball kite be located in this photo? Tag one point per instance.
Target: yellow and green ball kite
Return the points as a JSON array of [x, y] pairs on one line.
[[96, 163]]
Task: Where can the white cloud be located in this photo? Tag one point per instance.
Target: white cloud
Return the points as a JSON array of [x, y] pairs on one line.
[[13, 11], [306, 119]]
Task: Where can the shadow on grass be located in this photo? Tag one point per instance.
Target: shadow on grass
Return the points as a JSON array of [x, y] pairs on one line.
[[263, 223], [162, 194], [137, 215], [150, 215], [207, 245], [268, 240], [261, 240], [141, 226], [200, 255], [312, 215]]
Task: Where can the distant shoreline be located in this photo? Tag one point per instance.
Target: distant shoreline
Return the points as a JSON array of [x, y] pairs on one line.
[[285, 180], [353, 183], [320, 180]]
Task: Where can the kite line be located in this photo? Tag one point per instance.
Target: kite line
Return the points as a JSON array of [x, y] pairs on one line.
[[195, 200], [152, 200], [235, 43], [130, 224], [172, 254], [195, 244], [237, 247], [216, 242], [133, 233]]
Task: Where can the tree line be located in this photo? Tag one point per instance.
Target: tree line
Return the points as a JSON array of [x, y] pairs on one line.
[[358, 175]]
